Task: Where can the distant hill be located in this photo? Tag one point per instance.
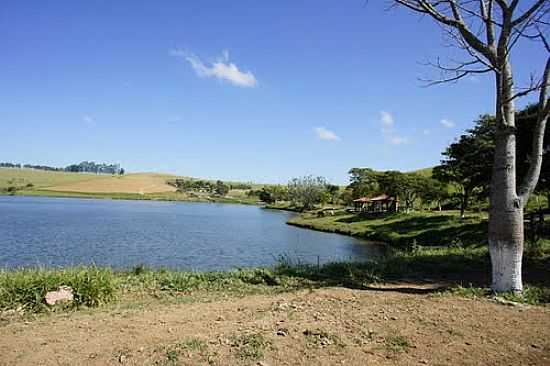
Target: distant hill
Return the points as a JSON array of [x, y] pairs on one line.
[[140, 183], [426, 172]]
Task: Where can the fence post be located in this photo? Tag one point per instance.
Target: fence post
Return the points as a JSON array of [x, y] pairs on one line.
[[318, 264]]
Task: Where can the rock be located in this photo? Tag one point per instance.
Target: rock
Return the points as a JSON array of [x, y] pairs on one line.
[[262, 363], [283, 332], [63, 293], [122, 358]]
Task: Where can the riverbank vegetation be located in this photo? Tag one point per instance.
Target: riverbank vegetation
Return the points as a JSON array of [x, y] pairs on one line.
[[458, 270]]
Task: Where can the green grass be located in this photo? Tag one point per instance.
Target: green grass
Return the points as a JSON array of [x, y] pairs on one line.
[[26, 288], [250, 346], [319, 338], [467, 268], [402, 230], [532, 295], [397, 343]]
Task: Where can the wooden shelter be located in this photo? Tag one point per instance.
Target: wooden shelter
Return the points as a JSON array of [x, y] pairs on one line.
[[382, 203]]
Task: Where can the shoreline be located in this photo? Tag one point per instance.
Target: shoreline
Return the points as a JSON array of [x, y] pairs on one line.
[[160, 197]]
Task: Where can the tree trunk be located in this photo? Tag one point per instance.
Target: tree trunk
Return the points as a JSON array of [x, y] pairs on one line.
[[505, 221], [464, 203], [506, 209]]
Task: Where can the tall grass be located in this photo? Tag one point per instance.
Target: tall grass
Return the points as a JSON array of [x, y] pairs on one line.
[[467, 267], [26, 288]]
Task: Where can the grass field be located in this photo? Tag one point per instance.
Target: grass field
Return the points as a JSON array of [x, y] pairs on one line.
[[136, 186], [140, 183], [40, 178], [423, 228]]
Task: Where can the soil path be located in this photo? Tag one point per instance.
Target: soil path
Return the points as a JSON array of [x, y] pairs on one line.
[[400, 325]]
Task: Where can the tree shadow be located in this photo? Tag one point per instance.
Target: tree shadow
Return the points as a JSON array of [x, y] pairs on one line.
[[440, 230], [415, 273]]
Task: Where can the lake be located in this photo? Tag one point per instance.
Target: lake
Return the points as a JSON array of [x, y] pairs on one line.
[[60, 232]]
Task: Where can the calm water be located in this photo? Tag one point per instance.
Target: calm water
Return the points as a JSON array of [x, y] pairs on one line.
[[202, 236]]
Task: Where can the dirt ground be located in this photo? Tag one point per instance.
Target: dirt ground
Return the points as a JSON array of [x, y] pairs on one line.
[[141, 183], [390, 325]]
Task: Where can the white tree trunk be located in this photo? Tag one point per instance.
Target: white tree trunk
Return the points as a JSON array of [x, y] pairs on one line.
[[506, 263], [506, 213]]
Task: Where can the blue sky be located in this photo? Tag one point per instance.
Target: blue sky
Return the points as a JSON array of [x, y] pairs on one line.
[[243, 90]]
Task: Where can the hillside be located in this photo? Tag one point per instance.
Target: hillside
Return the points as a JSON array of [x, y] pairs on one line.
[[140, 183], [426, 172], [41, 178]]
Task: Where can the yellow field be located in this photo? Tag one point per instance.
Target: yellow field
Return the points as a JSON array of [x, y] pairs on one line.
[[140, 183], [41, 178]]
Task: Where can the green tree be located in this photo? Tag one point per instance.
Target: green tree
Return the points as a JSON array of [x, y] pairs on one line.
[[488, 33], [221, 188], [433, 191], [307, 191], [364, 182], [332, 193], [468, 162], [406, 186]]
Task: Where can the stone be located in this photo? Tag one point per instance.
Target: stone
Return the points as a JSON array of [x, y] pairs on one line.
[[63, 293]]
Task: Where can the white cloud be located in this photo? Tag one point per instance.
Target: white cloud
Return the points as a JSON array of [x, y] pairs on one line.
[[398, 140], [447, 123], [326, 134], [386, 118], [388, 130], [88, 120], [221, 69]]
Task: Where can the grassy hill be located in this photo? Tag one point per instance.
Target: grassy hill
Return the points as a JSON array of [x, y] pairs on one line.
[[140, 183], [148, 186], [426, 172], [40, 178]]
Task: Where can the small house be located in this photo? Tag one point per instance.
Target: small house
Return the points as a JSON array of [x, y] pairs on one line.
[[382, 203]]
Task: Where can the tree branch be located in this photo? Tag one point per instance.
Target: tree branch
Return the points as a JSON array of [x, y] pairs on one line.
[[456, 21], [530, 181], [533, 9]]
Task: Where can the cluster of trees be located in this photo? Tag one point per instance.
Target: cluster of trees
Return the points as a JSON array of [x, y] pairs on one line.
[[197, 185], [237, 185], [91, 167], [270, 194], [487, 32], [307, 191], [30, 166], [302, 193], [408, 187], [468, 162], [464, 174], [84, 167]]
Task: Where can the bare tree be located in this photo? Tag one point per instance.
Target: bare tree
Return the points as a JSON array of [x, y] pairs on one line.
[[487, 31]]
